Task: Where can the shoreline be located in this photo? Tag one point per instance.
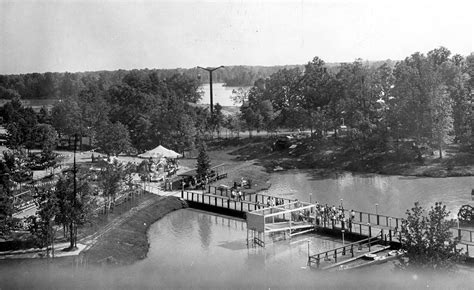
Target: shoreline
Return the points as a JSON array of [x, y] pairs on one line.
[[128, 242]]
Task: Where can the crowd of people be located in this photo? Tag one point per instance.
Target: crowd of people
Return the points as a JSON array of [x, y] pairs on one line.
[[334, 214]]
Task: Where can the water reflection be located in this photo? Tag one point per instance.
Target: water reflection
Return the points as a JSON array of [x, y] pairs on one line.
[[216, 244], [204, 223]]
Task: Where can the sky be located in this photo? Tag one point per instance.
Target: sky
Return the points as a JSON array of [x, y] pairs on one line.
[[86, 35]]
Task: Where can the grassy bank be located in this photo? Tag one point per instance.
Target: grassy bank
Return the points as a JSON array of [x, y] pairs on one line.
[[128, 242], [329, 157]]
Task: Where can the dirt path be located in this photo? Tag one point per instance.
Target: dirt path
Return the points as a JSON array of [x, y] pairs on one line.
[[124, 240], [92, 239]]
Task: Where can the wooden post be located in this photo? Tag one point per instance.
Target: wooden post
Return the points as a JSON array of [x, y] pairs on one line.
[[370, 231], [378, 219], [335, 256], [390, 234], [470, 233], [368, 217], [360, 229], [241, 206], [352, 250], [459, 234], [360, 216]]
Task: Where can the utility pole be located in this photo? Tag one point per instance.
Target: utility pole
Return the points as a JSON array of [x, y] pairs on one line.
[[210, 70], [72, 227]]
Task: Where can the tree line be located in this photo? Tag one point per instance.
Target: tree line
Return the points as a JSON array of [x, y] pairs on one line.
[[54, 85], [424, 98]]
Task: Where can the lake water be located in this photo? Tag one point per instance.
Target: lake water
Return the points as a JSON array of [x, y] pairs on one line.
[[393, 194], [220, 94], [198, 249]]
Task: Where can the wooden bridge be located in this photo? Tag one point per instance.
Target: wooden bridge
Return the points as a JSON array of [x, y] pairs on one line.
[[282, 212]]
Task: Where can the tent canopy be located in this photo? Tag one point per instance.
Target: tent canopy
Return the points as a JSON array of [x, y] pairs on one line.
[[160, 152]]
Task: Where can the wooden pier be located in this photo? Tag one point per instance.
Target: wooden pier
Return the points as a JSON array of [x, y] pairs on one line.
[[346, 253], [360, 224], [291, 219]]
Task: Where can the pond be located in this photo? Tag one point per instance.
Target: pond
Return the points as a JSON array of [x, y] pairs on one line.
[[389, 195], [195, 248]]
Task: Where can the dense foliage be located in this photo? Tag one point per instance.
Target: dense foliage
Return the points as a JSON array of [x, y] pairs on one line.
[[424, 99], [203, 161], [428, 240]]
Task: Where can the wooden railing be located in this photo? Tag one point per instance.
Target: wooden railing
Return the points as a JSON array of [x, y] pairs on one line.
[[219, 201], [343, 250]]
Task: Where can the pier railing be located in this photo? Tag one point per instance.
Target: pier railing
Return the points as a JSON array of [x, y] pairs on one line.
[[395, 223], [343, 250], [360, 222]]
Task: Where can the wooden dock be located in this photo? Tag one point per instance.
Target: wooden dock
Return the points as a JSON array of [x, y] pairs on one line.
[[363, 224]]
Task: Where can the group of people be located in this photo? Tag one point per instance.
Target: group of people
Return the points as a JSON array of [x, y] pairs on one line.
[[237, 194], [196, 183], [271, 201], [327, 213]]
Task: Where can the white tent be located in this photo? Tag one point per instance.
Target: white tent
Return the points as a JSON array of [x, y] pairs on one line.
[[160, 152]]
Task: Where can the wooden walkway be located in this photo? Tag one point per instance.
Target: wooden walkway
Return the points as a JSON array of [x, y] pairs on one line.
[[337, 256], [363, 223]]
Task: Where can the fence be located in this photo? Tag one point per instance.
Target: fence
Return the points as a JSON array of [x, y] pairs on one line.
[[342, 251]]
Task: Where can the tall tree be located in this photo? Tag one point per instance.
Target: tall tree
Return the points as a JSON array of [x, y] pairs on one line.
[[113, 138], [428, 239], [203, 161], [112, 177], [6, 201], [74, 203], [42, 224]]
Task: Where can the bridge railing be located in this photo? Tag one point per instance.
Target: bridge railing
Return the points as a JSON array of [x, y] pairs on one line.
[[375, 219], [220, 201], [343, 250]]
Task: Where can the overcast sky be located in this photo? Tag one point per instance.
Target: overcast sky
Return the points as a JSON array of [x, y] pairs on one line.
[[39, 36]]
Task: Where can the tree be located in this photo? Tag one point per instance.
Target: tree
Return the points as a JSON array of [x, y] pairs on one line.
[[74, 203], [46, 136], [203, 161], [217, 119], [21, 123], [41, 226], [233, 123], [111, 178], [94, 110], [6, 201], [113, 138], [441, 119], [428, 240], [66, 118]]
